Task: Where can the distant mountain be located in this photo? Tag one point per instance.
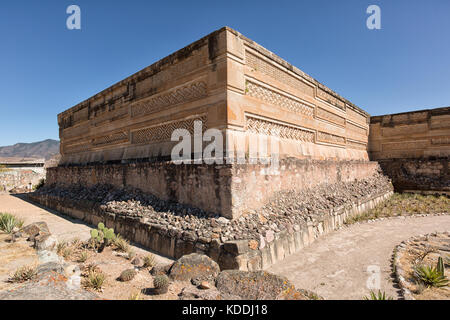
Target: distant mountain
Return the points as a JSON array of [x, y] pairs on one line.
[[41, 149]]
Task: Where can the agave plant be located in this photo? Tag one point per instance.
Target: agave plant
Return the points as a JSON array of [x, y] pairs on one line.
[[431, 276], [8, 222], [378, 296]]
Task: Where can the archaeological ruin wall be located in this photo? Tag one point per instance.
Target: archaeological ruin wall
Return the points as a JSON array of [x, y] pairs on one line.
[[116, 167], [234, 85], [413, 148]]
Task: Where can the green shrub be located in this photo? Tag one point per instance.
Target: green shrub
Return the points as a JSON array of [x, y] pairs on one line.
[[378, 296], [430, 276], [8, 222]]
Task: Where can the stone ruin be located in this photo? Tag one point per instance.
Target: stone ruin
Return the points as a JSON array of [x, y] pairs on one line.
[[116, 156]]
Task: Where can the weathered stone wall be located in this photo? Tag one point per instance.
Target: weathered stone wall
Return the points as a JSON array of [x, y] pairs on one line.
[[203, 186], [417, 135], [253, 185], [228, 190], [413, 148]]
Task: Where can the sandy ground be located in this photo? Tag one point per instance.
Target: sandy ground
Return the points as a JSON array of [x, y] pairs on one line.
[[339, 265]]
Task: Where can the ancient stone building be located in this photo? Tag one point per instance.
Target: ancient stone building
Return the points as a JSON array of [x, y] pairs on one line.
[[116, 151], [20, 173], [122, 135], [413, 148]]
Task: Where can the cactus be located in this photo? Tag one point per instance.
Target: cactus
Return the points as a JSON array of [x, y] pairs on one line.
[[108, 234], [127, 275], [161, 284], [102, 236], [440, 266], [94, 234]]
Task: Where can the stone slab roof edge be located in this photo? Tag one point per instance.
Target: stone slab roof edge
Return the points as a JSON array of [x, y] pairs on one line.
[[433, 112], [187, 50]]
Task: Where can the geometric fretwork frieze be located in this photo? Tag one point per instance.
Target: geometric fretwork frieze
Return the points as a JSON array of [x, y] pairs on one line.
[[260, 126], [164, 132], [116, 137], [282, 101], [184, 94]]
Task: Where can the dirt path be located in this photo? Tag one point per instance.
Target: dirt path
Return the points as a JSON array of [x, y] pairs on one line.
[[62, 226], [336, 266]]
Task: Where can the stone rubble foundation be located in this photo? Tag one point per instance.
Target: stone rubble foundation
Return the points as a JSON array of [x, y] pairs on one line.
[[276, 239]]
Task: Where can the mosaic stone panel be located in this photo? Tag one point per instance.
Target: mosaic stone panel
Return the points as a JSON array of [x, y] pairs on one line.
[[270, 96], [164, 132], [181, 95], [260, 126], [114, 138]]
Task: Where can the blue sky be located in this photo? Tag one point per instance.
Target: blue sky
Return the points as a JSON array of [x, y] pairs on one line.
[[46, 68]]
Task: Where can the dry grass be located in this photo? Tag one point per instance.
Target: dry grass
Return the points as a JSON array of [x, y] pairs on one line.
[[405, 204], [94, 280], [121, 244], [23, 274]]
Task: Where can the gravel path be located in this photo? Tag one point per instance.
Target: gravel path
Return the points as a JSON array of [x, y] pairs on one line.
[[336, 266]]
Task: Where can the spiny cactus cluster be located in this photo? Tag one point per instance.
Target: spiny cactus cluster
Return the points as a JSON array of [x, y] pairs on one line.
[[161, 283], [102, 235], [127, 275]]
